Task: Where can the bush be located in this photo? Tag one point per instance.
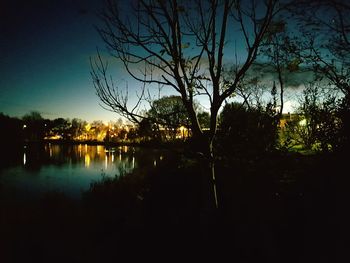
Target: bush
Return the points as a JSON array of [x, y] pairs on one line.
[[247, 130]]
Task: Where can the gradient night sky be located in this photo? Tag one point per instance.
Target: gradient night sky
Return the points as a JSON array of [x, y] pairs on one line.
[[45, 48], [44, 58]]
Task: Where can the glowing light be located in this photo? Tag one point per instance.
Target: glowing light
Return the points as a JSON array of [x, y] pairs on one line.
[[101, 135], [106, 162], [302, 122], [155, 163], [87, 160], [24, 158], [88, 127], [133, 162], [54, 137], [182, 132], [112, 157]]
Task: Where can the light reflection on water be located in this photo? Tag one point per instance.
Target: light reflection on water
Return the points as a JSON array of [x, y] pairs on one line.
[[24, 158], [69, 168]]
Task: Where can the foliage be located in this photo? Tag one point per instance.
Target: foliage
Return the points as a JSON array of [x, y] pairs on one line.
[[170, 113], [61, 126], [247, 130], [34, 129], [319, 122], [147, 131], [77, 127], [204, 119], [343, 113]]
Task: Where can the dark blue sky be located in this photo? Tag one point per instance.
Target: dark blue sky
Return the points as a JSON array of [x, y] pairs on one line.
[[45, 48], [44, 58]]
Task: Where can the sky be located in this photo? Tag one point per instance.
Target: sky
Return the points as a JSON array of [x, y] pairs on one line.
[[44, 59], [45, 48]]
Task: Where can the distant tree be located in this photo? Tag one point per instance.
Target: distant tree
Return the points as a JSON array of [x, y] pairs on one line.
[[61, 127], [122, 134], [34, 126], [246, 130], [119, 123], [204, 119], [283, 54], [32, 116], [98, 130], [317, 125], [132, 134], [147, 130], [11, 130], [170, 113], [77, 127]]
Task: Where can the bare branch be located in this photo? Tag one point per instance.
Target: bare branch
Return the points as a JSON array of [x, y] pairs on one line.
[[181, 45]]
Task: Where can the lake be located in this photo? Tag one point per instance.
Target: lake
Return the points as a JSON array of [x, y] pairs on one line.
[[38, 169]]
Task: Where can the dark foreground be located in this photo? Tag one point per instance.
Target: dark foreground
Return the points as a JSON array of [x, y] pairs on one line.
[[277, 208]]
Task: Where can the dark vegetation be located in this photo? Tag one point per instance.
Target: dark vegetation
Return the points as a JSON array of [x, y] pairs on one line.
[[275, 208]]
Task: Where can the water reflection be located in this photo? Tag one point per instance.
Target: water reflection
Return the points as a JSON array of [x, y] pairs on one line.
[[87, 160], [24, 158], [77, 154], [71, 168]]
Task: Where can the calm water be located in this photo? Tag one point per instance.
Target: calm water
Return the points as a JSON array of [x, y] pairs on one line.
[[70, 169]]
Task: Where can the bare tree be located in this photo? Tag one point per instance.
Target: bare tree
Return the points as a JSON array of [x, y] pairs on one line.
[[326, 27], [182, 45], [282, 52]]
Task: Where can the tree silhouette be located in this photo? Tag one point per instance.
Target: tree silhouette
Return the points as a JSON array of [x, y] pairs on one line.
[[281, 51], [326, 28], [181, 45], [246, 130], [169, 112], [34, 128]]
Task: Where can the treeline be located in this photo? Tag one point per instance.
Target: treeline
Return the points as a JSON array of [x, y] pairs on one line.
[[32, 127], [319, 123]]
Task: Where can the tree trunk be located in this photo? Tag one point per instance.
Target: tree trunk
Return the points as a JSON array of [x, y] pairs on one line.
[[209, 197], [212, 178]]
